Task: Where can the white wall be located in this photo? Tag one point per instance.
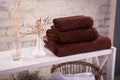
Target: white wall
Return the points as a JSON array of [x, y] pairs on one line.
[[99, 10]]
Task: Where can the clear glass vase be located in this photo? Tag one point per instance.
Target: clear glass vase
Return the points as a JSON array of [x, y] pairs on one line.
[[16, 50]]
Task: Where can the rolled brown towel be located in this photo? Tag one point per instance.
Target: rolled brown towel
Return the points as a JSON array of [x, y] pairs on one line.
[[60, 50], [72, 36], [73, 22]]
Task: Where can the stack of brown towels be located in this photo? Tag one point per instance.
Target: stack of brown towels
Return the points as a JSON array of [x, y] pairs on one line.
[[74, 35]]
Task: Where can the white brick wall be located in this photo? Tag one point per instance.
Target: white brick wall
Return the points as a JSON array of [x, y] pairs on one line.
[[99, 10]]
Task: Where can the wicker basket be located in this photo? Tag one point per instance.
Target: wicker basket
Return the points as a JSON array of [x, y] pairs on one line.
[[77, 67]]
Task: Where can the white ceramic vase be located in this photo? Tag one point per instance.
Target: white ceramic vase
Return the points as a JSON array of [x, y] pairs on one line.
[[39, 49]]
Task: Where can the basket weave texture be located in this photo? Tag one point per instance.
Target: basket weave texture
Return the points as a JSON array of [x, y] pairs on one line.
[[77, 67]]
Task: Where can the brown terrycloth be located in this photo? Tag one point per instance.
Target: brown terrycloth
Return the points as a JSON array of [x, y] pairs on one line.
[[73, 22], [72, 36], [60, 50], [54, 28]]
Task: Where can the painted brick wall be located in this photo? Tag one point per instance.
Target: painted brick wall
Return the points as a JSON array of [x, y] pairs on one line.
[[99, 10]]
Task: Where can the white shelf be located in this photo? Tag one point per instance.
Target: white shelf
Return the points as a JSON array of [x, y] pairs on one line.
[[28, 61]]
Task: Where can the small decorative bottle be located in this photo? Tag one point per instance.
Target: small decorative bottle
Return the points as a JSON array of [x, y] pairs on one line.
[[39, 49]]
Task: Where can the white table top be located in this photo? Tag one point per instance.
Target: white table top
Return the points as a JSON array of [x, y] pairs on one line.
[[28, 61]]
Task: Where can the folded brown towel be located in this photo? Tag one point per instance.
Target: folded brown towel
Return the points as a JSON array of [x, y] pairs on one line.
[[73, 22], [72, 36], [60, 50]]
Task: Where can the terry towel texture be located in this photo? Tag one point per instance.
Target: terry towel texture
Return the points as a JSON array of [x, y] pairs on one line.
[[60, 50], [72, 36], [73, 22]]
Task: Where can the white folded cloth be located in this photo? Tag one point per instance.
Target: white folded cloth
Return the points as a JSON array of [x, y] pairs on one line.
[[78, 76]]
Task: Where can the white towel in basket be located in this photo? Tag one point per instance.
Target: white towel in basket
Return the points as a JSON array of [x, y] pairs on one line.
[[78, 76]]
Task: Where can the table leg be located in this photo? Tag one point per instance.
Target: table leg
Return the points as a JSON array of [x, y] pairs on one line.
[[111, 65]]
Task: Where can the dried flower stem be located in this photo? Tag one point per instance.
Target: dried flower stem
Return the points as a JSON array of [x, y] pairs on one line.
[[39, 29], [17, 15]]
